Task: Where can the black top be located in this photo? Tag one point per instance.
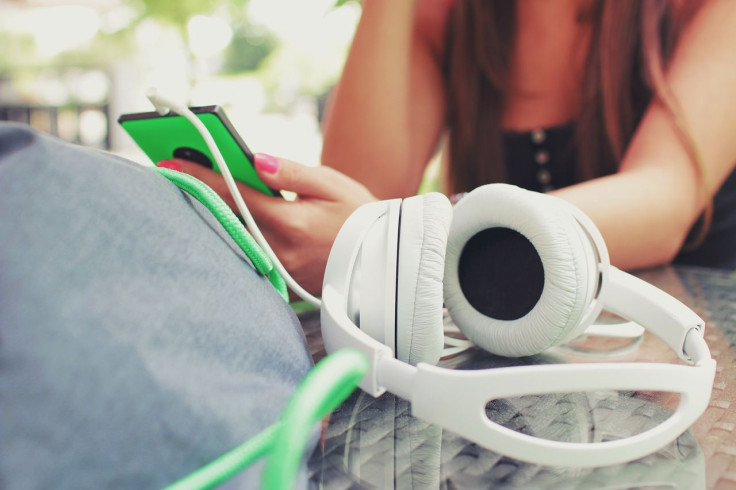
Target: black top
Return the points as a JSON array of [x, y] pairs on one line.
[[544, 159]]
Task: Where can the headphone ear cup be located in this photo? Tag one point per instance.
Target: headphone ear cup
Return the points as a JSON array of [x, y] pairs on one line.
[[371, 298], [498, 233], [425, 224]]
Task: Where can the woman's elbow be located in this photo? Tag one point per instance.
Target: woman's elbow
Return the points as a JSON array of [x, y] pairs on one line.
[[659, 250]]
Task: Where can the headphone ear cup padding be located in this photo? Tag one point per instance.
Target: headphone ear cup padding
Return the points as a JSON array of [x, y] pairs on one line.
[[425, 224], [556, 237]]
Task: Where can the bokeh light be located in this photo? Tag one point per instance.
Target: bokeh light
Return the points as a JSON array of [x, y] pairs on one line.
[[269, 63], [208, 36]]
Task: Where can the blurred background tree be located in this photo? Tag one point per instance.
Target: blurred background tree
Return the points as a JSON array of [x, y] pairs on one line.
[[117, 22], [178, 12], [269, 62]]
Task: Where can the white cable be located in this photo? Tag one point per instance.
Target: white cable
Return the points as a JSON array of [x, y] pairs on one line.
[[456, 346], [455, 342], [451, 351], [163, 106]]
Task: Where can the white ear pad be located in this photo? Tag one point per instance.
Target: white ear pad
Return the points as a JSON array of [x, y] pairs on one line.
[[565, 283], [425, 224], [596, 249]]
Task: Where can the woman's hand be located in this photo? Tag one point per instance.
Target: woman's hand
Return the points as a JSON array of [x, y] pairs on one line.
[[300, 232]]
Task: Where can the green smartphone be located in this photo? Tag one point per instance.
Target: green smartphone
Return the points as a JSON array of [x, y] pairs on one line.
[[173, 136]]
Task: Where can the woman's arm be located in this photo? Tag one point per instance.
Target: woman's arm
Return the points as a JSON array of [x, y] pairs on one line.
[[646, 209], [386, 114]]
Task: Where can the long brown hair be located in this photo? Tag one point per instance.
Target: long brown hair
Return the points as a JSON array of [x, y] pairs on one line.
[[631, 44]]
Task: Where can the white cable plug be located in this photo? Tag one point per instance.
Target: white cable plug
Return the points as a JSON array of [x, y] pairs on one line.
[[164, 106]]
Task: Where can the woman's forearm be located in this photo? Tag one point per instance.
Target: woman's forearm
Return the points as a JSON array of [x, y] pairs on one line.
[[646, 210], [643, 215], [366, 126], [369, 129]]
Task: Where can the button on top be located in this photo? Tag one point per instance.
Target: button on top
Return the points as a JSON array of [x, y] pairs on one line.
[[541, 157], [538, 136], [544, 177]]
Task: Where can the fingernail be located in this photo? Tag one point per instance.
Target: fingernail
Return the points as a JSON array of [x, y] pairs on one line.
[[267, 163], [170, 164]]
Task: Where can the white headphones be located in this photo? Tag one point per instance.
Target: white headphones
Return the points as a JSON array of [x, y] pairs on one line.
[[522, 272]]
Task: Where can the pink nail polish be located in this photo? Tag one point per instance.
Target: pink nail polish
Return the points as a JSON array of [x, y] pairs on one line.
[[170, 165], [267, 163]]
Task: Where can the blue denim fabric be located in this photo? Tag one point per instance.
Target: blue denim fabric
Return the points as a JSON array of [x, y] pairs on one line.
[[136, 342]]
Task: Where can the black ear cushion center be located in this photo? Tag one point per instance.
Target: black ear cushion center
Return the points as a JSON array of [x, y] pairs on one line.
[[501, 273]]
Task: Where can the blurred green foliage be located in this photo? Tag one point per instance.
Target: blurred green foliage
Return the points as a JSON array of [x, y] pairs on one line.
[[15, 47], [248, 48], [178, 12], [250, 45]]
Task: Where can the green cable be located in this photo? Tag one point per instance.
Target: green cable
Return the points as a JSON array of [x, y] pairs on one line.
[[229, 464], [325, 387], [222, 212]]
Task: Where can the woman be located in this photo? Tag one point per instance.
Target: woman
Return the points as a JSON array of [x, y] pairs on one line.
[[633, 100]]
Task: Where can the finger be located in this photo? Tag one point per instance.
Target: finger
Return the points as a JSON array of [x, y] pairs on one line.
[[255, 201], [200, 172], [318, 182]]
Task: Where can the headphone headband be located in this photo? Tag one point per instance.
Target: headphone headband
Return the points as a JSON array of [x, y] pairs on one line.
[[456, 400], [638, 301]]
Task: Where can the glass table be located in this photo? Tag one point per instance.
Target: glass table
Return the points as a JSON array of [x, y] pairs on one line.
[[376, 443]]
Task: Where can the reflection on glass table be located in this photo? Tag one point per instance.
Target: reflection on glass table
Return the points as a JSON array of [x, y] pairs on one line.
[[376, 443]]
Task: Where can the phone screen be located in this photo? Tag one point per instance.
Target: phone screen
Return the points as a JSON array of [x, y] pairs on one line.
[[173, 136]]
